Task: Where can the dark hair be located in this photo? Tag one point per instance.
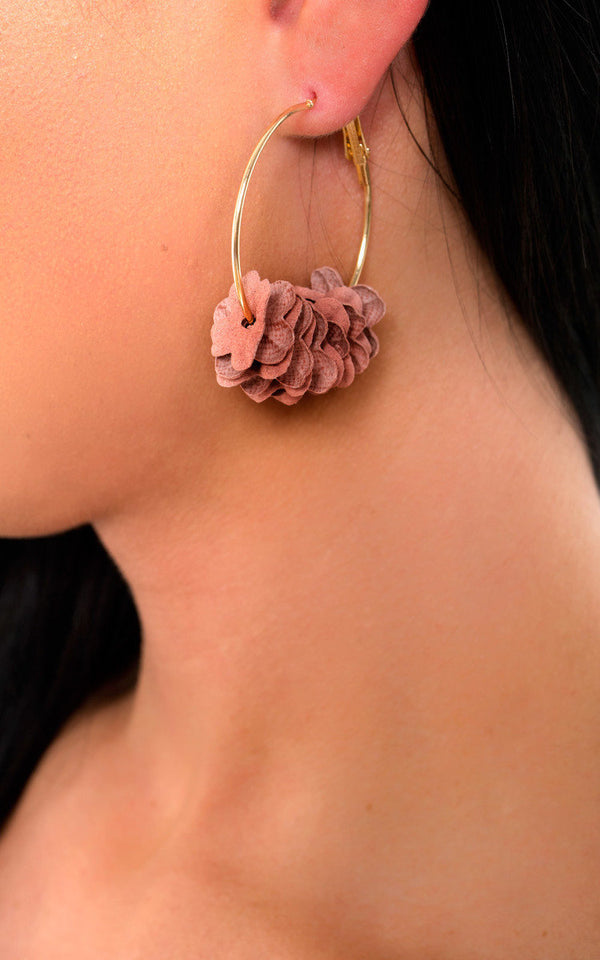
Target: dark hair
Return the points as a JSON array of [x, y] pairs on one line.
[[513, 89]]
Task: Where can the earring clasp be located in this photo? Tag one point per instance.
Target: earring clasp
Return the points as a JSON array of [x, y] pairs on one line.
[[356, 149]]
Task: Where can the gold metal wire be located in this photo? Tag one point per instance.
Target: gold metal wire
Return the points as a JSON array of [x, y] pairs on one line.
[[355, 149]]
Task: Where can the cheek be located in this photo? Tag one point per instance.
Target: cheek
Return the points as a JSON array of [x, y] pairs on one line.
[[109, 273]]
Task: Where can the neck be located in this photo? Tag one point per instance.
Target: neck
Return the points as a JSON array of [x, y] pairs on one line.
[[337, 604]]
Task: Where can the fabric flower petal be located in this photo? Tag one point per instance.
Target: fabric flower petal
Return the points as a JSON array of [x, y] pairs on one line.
[[228, 333], [303, 340], [259, 389], [333, 355], [334, 312], [276, 341], [324, 374], [359, 351], [349, 372], [324, 279], [373, 341], [294, 313], [273, 370], [287, 397], [226, 374], [305, 325], [282, 298], [373, 307], [300, 369]]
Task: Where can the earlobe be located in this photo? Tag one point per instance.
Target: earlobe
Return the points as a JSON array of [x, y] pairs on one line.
[[340, 50]]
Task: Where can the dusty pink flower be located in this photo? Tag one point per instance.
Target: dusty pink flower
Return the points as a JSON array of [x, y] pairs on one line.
[[303, 340]]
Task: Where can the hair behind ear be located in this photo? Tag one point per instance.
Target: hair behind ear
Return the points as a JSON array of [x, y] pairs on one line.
[[514, 89]]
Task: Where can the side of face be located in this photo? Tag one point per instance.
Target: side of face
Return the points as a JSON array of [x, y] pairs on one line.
[[117, 175], [125, 128]]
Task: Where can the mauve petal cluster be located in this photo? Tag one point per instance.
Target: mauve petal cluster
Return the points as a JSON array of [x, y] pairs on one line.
[[303, 340]]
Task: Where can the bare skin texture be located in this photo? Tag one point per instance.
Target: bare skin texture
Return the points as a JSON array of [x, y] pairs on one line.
[[367, 719]]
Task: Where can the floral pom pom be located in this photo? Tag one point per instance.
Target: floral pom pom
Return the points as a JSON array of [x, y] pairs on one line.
[[303, 340]]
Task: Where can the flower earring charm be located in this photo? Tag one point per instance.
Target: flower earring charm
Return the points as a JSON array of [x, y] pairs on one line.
[[274, 339]]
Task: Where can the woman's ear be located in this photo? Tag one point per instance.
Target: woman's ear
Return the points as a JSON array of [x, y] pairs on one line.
[[338, 50]]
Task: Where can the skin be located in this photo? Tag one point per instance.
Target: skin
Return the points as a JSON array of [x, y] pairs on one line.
[[366, 723]]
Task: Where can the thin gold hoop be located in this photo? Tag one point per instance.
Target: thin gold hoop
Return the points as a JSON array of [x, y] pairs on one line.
[[355, 149]]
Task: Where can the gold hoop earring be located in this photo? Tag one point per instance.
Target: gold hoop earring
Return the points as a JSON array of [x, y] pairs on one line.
[[278, 340]]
